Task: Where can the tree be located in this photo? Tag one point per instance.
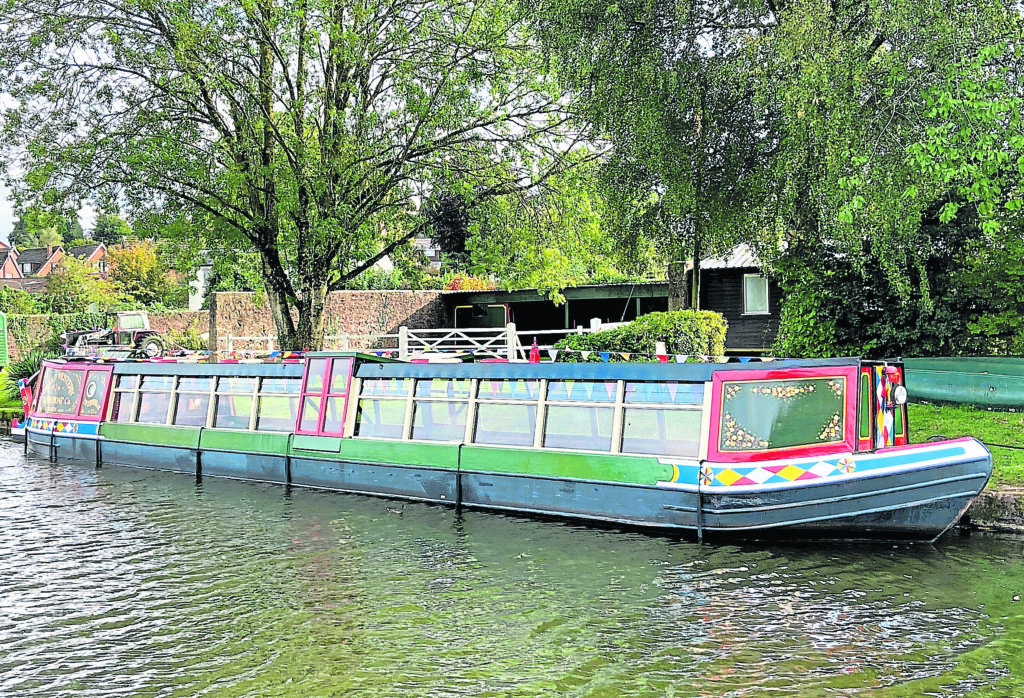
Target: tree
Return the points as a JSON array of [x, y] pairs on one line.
[[38, 228], [73, 286], [309, 128], [110, 229], [136, 272], [835, 305], [789, 119]]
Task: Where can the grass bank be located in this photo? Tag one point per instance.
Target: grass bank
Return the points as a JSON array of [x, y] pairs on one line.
[[997, 430]]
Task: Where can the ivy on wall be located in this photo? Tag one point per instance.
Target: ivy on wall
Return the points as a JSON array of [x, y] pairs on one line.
[[43, 331]]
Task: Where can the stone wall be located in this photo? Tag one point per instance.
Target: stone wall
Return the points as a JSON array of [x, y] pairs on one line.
[[365, 314]]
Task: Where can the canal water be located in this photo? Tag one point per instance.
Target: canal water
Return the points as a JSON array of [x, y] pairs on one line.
[[117, 581]]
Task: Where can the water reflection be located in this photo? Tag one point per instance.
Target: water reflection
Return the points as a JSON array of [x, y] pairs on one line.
[[121, 581]]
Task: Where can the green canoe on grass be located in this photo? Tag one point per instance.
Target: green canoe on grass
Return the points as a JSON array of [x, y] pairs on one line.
[[987, 381]]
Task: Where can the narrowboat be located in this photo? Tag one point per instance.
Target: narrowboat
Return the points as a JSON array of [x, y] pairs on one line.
[[785, 449]]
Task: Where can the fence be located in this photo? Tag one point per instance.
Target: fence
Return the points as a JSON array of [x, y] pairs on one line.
[[498, 342]]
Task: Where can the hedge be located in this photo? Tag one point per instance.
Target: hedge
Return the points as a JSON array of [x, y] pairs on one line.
[[691, 332]]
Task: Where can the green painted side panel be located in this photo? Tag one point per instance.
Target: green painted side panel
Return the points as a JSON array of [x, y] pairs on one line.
[[586, 466], [187, 437], [330, 444], [436, 455], [245, 441]]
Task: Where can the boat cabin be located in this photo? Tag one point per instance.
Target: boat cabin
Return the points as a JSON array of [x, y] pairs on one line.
[[718, 412]]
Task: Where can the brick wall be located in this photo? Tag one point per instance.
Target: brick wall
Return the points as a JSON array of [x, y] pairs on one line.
[[38, 329], [348, 312]]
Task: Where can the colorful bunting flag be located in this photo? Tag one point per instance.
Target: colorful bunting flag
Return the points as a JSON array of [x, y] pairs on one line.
[[553, 353], [605, 355], [586, 355], [625, 355]]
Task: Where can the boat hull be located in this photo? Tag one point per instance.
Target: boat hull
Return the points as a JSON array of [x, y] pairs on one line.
[[915, 493]]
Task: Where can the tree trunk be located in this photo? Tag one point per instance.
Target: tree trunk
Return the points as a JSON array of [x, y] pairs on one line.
[[695, 276], [309, 334]]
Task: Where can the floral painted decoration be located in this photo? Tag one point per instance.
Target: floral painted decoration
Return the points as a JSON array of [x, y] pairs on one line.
[[734, 436], [832, 429]]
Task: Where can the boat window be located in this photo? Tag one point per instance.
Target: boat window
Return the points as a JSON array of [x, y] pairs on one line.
[[453, 388], [381, 418], [310, 413], [665, 392], [578, 427], [235, 384], [95, 391], [127, 382], [505, 423], [157, 382], [340, 371], [663, 432], [195, 384], [153, 407], [315, 370], [232, 411], [280, 385], [60, 391], [190, 409], [760, 415], [509, 389], [581, 391], [276, 412], [122, 408], [439, 420], [334, 417], [398, 387]]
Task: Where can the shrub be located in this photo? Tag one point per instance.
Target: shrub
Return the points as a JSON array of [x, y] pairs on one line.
[[23, 368], [691, 332]]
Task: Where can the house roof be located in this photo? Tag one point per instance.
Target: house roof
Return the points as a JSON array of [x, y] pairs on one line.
[[739, 257], [36, 255], [85, 251], [32, 285], [4, 254]]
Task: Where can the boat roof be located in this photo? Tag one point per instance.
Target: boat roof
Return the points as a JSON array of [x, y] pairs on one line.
[[695, 372], [375, 367]]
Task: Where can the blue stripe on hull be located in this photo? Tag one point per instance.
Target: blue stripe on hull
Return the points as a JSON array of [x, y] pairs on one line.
[[388, 480], [69, 447], [178, 460], [245, 466], [613, 502]]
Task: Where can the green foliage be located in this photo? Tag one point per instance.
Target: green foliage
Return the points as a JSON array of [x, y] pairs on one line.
[[15, 301], [839, 305], [110, 229], [691, 332], [138, 274], [74, 286], [993, 277], [24, 367], [305, 132], [31, 332], [190, 339], [548, 239]]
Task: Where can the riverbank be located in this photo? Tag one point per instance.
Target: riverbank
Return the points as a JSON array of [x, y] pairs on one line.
[[1001, 506]]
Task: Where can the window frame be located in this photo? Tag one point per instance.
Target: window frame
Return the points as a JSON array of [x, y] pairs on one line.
[[324, 394], [76, 413]]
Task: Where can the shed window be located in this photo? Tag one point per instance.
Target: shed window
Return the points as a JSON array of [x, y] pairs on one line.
[[755, 294]]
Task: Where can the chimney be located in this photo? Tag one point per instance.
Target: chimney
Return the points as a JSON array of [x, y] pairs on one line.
[[49, 251]]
